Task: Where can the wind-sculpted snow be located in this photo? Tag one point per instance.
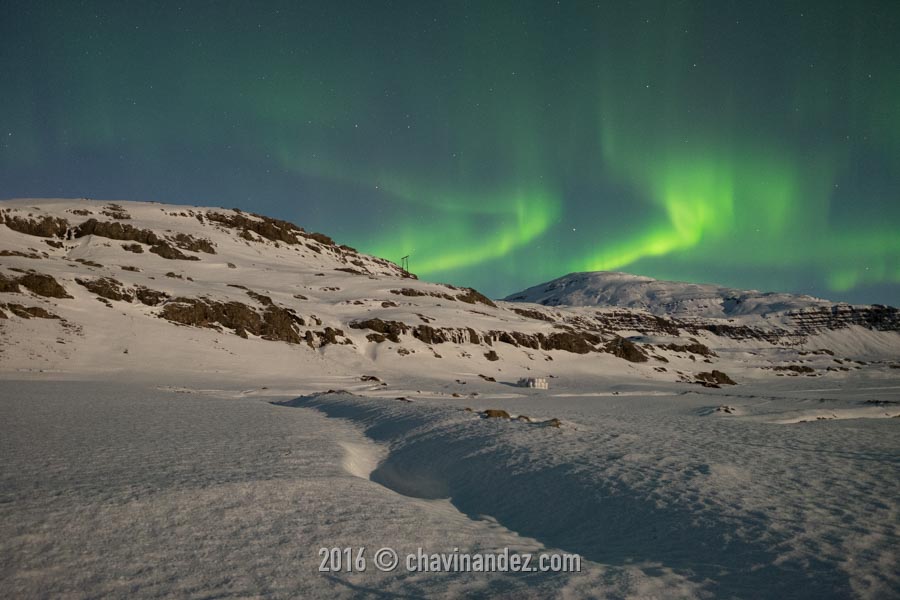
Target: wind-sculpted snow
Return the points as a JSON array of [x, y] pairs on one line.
[[141, 492], [752, 510]]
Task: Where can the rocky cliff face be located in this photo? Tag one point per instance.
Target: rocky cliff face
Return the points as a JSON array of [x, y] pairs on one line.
[[838, 316]]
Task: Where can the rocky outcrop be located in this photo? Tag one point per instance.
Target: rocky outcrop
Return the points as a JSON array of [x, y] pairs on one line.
[[692, 348], [278, 324], [473, 296], [274, 323], [200, 312], [189, 242], [262, 299], [839, 316], [325, 240], [414, 293], [495, 413], [274, 230], [632, 320], [470, 296], [625, 349], [327, 336], [577, 342], [36, 283], [714, 379], [773, 335], [48, 227], [127, 232], [20, 253], [112, 289], [165, 250], [116, 231], [9, 285], [27, 312], [115, 211], [439, 335], [804, 369], [149, 297], [107, 287], [43, 285], [390, 330]]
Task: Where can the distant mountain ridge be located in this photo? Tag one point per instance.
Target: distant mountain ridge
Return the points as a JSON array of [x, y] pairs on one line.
[[669, 298]]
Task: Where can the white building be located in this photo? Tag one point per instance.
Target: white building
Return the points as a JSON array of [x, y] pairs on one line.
[[534, 382]]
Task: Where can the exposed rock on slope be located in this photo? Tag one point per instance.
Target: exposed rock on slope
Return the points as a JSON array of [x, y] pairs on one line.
[[37, 283], [229, 273], [45, 226]]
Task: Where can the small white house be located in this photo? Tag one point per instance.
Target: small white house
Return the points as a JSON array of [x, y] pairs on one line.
[[534, 382]]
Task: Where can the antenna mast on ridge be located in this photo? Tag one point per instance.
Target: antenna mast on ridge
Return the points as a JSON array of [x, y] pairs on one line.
[[404, 263]]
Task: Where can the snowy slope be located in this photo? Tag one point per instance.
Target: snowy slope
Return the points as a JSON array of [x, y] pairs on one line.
[[607, 288], [146, 286]]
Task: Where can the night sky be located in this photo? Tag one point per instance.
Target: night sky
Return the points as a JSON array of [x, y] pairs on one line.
[[500, 144]]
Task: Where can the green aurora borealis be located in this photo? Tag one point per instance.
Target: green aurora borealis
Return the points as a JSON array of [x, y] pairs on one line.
[[500, 144]]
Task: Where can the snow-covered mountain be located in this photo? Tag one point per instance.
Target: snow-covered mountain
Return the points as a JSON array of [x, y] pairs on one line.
[[610, 288], [668, 298]]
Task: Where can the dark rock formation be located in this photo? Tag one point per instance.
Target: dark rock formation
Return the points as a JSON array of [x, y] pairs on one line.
[[714, 379], [107, 287], [48, 227], [43, 285], [391, 330], [472, 296], [127, 232], [264, 300], [115, 211], [20, 253], [324, 239], [693, 348], [838, 316], [27, 312], [116, 231], [189, 242], [274, 230], [794, 368], [275, 323], [495, 413], [625, 349], [9, 285], [150, 297], [165, 250]]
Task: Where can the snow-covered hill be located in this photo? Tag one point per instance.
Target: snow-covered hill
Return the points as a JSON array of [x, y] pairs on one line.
[[609, 288], [91, 286]]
